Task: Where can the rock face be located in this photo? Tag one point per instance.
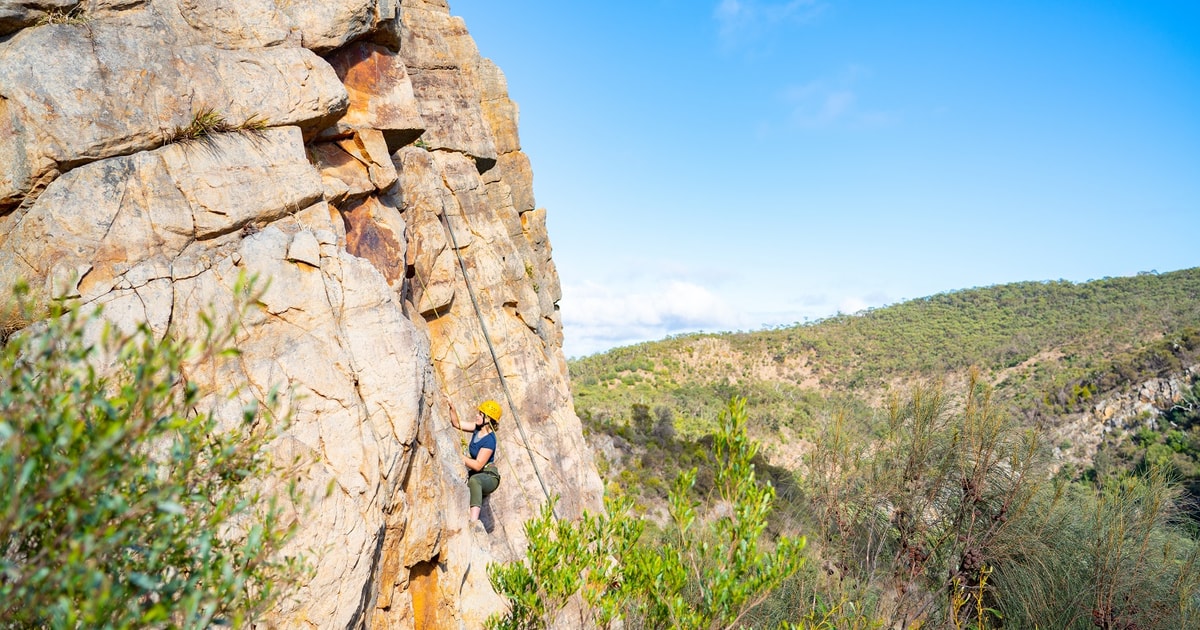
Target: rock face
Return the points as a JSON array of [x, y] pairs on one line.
[[355, 156]]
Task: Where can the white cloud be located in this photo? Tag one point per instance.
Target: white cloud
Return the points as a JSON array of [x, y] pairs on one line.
[[597, 317], [741, 21], [634, 306], [818, 104], [852, 304], [729, 10], [827, 102]]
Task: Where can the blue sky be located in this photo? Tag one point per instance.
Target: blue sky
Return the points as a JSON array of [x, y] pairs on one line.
[[733, 164]]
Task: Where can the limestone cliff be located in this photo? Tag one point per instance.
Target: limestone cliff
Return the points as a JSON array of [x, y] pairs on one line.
[[347, 152]]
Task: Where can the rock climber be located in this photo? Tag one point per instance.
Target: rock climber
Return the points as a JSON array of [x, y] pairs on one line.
[[482, 476]]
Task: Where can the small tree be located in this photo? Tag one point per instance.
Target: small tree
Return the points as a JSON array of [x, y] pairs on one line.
[[121, 504], [1117, 557], [924, 509], [571, 568], [710, 573]]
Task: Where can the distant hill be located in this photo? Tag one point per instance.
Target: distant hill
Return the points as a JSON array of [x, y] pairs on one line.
[[1049, 348], [1028, 336]]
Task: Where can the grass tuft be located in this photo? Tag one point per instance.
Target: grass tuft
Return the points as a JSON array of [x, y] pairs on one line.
[[255, 123], [207, 121], [75, 15]]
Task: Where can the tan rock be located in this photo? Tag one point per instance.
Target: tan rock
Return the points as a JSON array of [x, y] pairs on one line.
[[304, 248], [365, 323], [326, 24], [500, 111], [440, 57], [369, 147], [375, 231], [545, 277], [434, 266], [353, 376], [380, 92], [508, 303], [113, 214], [124, 86], [431, 37], [232, 23], [344, 177], [515, 170]]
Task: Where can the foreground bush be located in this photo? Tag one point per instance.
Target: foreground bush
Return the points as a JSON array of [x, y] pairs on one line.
[[712, 566], [121, 504], [1113, 557], [946, 515]]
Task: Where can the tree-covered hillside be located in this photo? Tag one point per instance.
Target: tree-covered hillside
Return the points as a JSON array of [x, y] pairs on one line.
[[1030, 339]]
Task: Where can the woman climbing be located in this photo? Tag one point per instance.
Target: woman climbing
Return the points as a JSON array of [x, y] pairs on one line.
[[483, 477]]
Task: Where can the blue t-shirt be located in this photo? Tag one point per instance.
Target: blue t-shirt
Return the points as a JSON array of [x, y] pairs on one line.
[[480, 442]]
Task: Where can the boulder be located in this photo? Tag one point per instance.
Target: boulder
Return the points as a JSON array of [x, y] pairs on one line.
[[100, 221], [231, 23], [345, 177], [375, 231], [440, 57], [327, 24]]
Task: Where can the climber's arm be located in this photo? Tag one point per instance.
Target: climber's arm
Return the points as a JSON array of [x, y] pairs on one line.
[[459, 424], [479, 461]]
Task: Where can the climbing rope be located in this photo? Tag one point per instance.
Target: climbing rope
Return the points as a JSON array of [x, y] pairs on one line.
[[492, 349]]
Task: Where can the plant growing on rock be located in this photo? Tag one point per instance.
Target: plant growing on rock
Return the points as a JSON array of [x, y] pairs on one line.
[[206, 121], [75, 15]]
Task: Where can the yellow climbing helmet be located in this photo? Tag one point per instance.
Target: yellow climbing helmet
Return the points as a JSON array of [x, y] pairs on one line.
[[491, 409]]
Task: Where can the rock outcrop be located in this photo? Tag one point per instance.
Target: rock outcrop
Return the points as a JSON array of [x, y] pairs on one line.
[[1128, 409], [349, 154]]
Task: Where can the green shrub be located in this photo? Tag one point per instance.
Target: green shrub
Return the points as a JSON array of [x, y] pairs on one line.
[[710, 573], [701, 573], [567, 563], [1102, 558], [948, 519], [1145, 437], [921, 511], [1177, 441], [121, 504]]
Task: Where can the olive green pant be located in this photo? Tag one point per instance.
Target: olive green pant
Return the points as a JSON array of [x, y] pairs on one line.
[[482, 484]]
